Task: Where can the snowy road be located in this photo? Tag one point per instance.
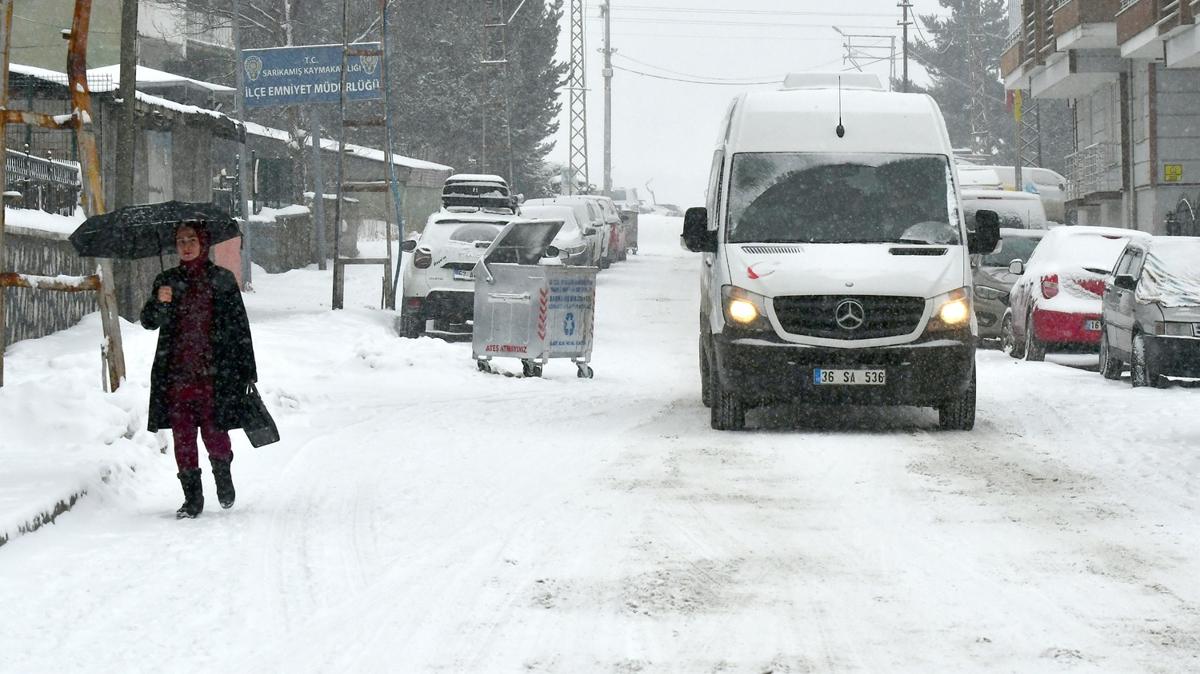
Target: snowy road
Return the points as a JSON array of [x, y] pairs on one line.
[[420, 516]]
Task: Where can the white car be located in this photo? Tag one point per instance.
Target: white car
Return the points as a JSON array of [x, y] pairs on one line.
[[589, 215], [439, 282], [616, 231], [1018, 210], [573, 248]]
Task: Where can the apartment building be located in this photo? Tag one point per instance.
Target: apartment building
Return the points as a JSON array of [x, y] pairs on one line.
[[1131, 70]]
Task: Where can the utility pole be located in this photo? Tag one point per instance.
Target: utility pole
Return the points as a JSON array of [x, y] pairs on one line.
[[606, 10], [243, 171], [981, 137], [904, 23], [127, 126]]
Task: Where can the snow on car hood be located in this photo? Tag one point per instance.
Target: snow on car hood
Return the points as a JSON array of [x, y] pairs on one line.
[[776, 270], [1171, 276]]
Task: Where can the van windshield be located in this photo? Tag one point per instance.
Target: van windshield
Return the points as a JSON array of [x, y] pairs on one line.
[[828, 198]]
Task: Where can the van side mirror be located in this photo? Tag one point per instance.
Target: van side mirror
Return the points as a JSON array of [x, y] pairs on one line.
[[1016, 268], [986, 236], [1125, 282], [408, 245], [696, 235]]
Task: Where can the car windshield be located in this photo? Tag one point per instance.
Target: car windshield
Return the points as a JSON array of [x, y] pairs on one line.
[[1171, 276], [828, 198], [1011, 248]]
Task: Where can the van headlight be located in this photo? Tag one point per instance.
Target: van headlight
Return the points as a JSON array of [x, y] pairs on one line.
[[951, 311], [744, 309]]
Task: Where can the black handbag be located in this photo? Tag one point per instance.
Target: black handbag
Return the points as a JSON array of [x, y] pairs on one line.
[[256, 420]]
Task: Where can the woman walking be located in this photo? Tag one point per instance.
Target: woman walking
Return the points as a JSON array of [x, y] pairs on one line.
[[203, 365]]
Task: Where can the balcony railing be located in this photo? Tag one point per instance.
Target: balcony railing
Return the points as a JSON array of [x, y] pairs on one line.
[[45, 184], [1095, 168]]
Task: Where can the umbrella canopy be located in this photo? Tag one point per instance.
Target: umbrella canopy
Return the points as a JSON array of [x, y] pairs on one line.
[[146, 230]]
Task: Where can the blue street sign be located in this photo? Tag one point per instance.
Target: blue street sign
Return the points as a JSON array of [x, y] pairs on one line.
[[311, 74]]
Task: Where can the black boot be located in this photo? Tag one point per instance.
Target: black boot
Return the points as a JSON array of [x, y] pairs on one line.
[[193, 494], [224, 480]]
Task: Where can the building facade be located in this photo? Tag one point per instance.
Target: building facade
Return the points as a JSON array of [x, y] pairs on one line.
[[1130, 70]]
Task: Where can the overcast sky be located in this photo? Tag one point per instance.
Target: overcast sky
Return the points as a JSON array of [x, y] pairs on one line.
[[664, 131]]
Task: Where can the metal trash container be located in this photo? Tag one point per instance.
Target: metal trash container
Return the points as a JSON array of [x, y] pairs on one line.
[[629, 222], [528, 309]]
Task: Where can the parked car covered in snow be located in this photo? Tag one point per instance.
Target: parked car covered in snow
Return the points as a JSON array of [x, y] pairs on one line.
[[574, 248], [591, 220], [994, 280], [439, 281], [1151, 315], [470, 192], [616, 232], [1056, 303]]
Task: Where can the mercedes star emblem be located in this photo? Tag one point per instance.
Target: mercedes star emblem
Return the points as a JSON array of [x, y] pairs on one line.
[[850, 314]]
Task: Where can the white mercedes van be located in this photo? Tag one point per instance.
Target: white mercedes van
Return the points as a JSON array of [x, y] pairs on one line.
[[836, 259]]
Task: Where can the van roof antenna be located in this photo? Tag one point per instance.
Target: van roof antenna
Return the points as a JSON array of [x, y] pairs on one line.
[[841, 130]]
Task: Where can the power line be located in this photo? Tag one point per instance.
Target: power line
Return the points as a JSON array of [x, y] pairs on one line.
[[693, 81], [768, 12], [751, 24], [705, 77], [775, 38]]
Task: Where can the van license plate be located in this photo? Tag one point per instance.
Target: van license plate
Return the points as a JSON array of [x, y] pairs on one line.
[[464, 274], [822, 377], [1092, 325]]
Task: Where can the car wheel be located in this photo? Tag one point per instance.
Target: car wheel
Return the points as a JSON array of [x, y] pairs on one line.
[[1008, 340], [705, 377], [1142, 370], [1035, 350], [1110, 366], [728, 412], [959, 414]]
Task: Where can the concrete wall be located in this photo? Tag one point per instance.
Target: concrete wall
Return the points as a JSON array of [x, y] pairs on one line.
[[36, 313]]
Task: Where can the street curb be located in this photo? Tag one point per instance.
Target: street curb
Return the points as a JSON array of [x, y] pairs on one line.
[[45, 517]]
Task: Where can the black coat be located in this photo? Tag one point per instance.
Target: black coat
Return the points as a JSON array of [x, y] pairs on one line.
[[232, 350]]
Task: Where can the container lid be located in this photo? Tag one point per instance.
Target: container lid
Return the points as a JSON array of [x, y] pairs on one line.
[[522, 242]]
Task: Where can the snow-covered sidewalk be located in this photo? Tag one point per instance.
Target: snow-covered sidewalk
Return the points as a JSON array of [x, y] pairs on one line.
[[420, 516]]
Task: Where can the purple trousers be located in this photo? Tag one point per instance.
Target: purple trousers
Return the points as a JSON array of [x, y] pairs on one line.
[[186, 416]]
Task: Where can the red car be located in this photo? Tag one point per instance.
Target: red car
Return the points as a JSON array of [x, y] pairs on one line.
[[1056, 302]]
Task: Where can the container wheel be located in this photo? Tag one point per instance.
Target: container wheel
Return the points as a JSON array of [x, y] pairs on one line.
[[585, 372], [531, 369]]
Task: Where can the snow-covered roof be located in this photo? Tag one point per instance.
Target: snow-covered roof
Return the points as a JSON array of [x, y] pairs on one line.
[[104, 75], [805, 120], [352, 149], [151, 77]]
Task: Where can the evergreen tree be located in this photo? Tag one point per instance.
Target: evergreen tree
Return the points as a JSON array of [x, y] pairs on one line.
[[945, 55]]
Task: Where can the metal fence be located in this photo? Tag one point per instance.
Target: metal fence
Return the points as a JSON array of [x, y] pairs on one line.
[[1095, 168], [44, 184]]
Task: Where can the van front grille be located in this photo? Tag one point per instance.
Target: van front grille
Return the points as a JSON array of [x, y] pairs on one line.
[[880, 316]]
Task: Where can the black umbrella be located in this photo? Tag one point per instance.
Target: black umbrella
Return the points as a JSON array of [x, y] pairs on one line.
[[146, 230]]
